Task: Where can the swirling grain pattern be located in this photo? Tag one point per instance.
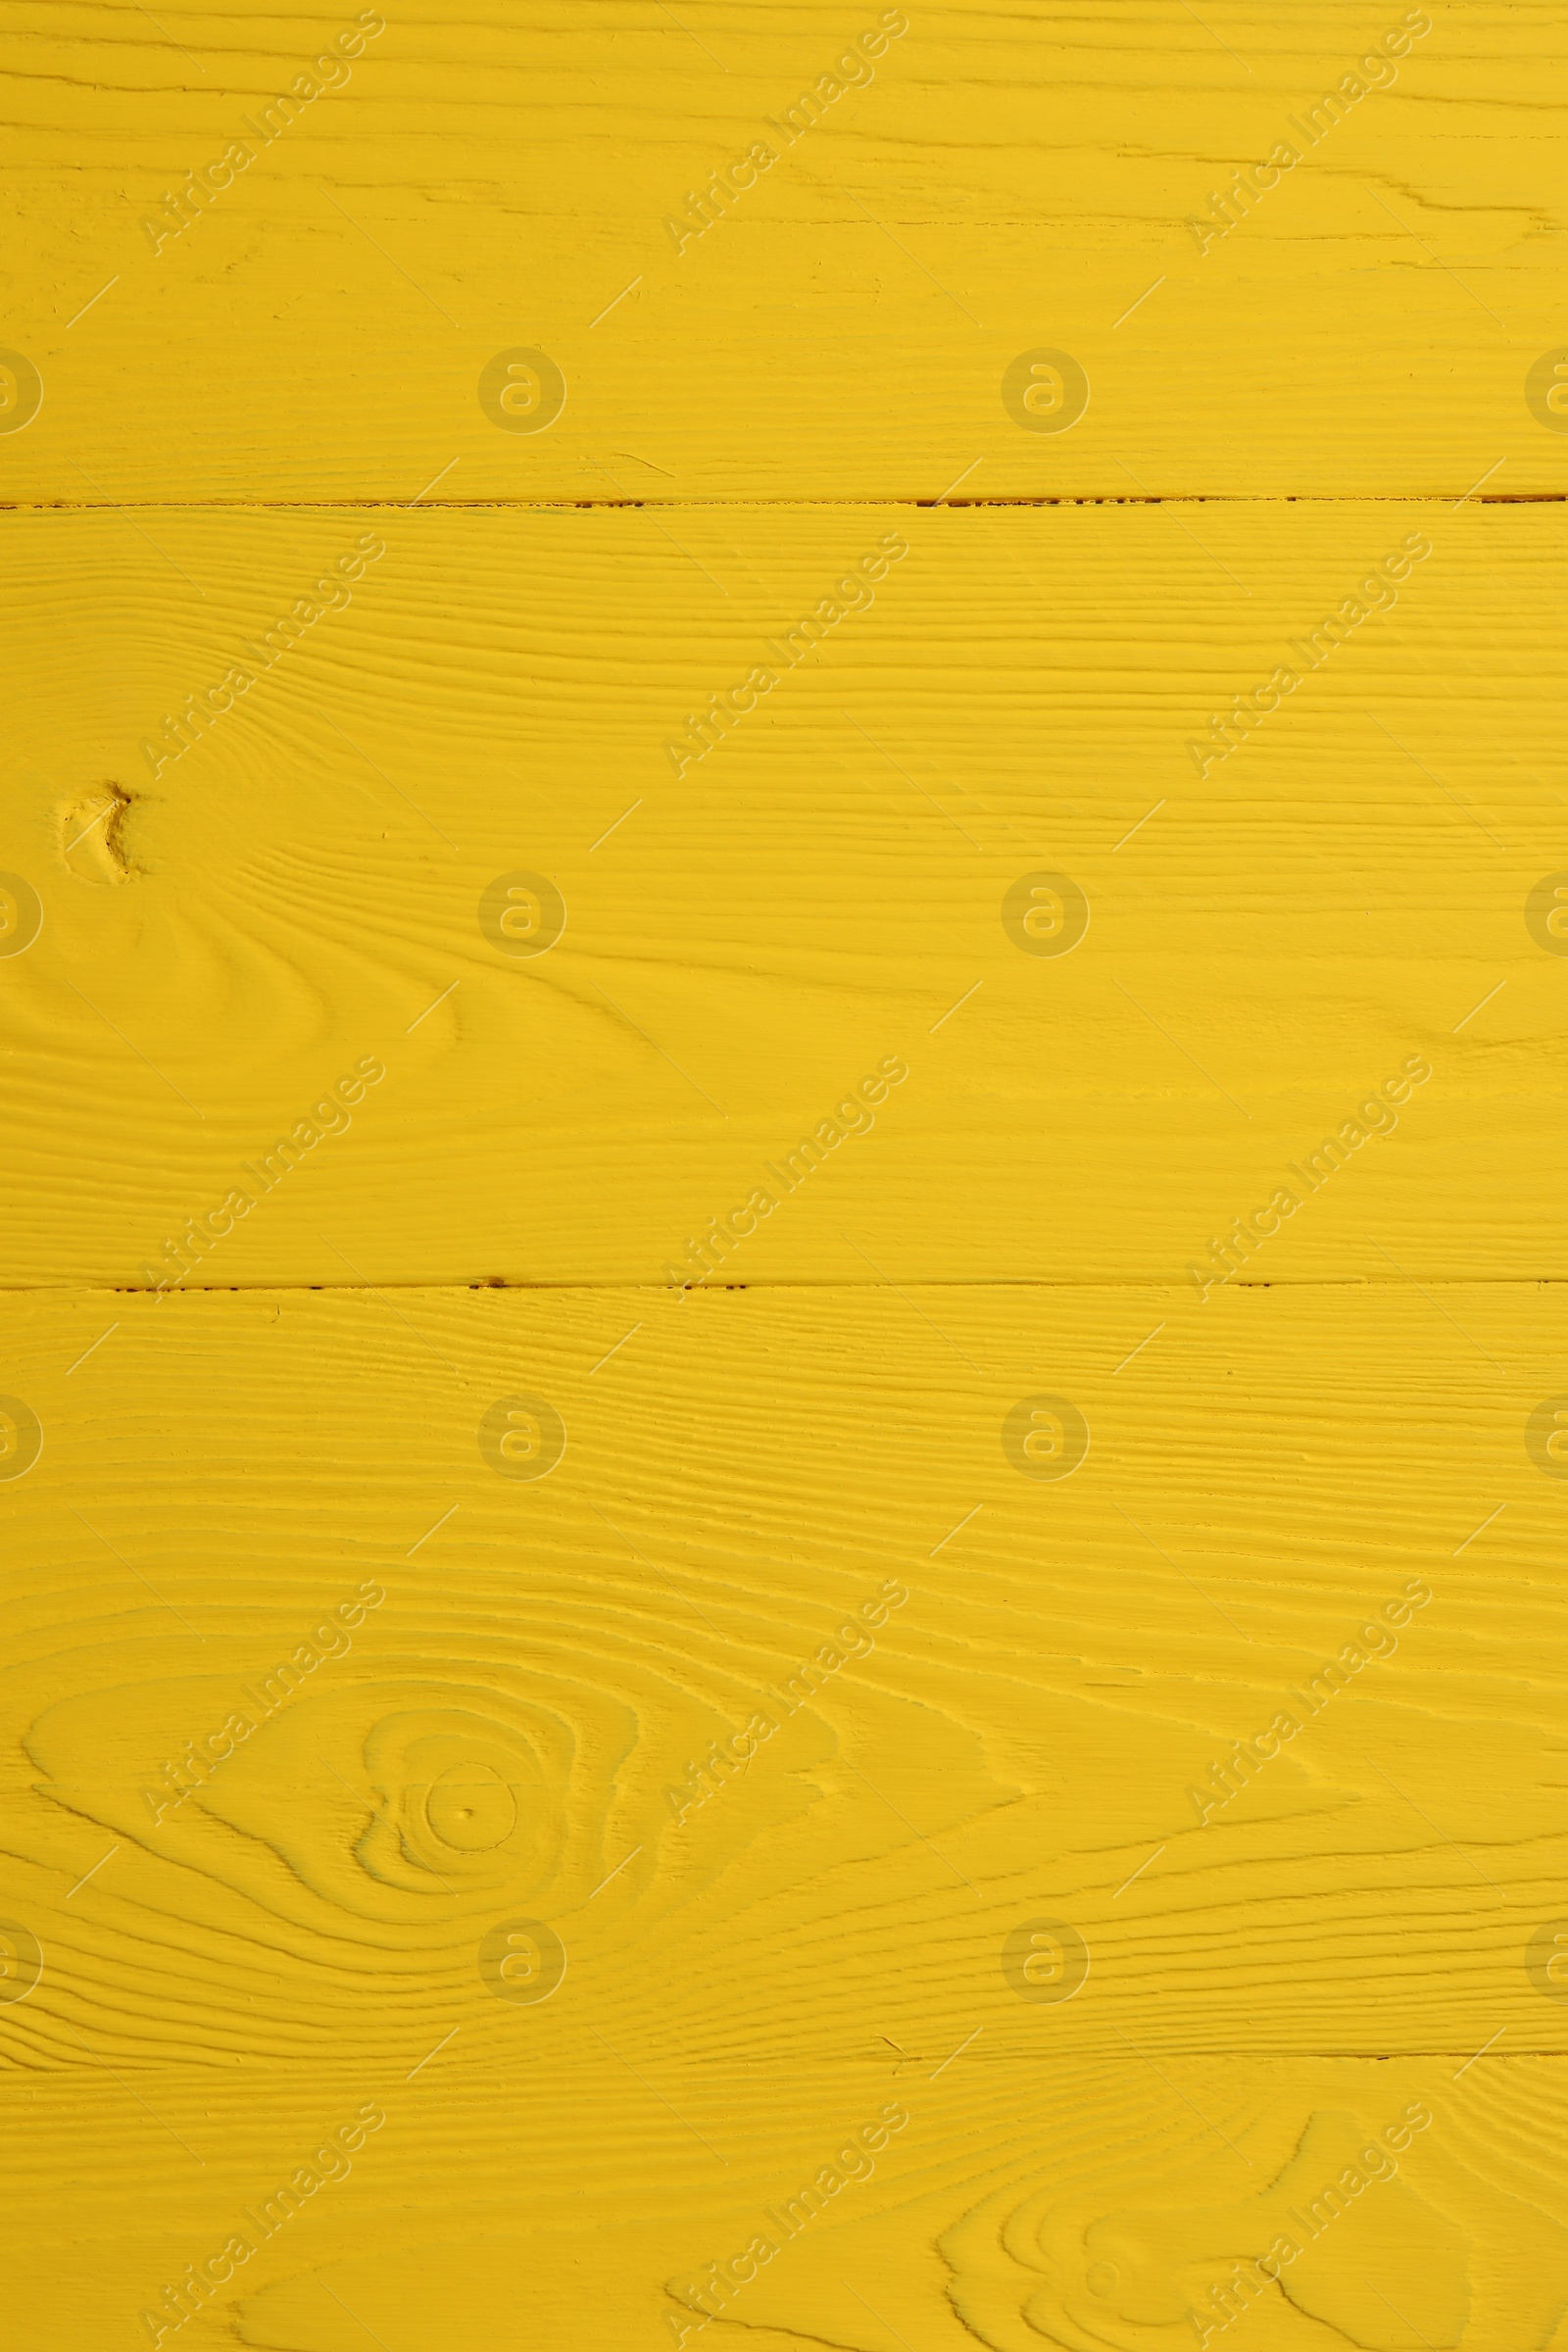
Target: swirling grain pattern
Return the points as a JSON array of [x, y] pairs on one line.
[[783, 1428]]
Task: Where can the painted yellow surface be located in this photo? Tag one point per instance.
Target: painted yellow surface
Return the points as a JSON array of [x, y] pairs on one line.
[[782, 1398], [753, 927], [313, 323]]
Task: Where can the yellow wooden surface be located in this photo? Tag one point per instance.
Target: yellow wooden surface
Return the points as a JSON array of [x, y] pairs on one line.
[[616, 1382], [1018, 1738], [994, 183], [746, 940]]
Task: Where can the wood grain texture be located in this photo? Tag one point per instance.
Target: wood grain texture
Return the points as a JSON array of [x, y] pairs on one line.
[[821, 889], [781, 1256], [1006, 181], [225, 1984]]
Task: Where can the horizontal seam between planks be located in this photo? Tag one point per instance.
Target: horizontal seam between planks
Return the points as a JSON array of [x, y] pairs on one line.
[[811, 1282], [566, 505], [1052, 2058]]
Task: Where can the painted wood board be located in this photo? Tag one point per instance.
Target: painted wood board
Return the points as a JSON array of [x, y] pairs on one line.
[[536, 2201], [1008, 1752], [1381, 316], [781, 1416], [825, 886]]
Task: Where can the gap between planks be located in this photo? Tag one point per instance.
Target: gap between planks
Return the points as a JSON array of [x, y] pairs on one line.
[[823, 1282], [564, 505]]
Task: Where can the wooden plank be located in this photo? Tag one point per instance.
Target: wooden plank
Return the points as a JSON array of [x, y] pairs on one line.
[[827, 1932], [781, 1409], [741, 1473], [818, 894], [990, 183], [1079, 2204]]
